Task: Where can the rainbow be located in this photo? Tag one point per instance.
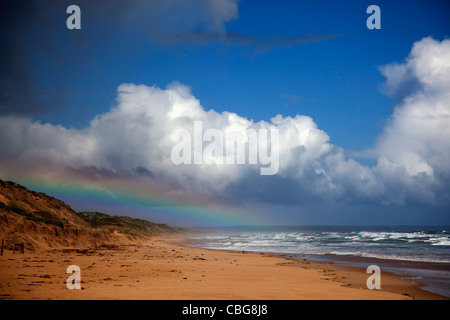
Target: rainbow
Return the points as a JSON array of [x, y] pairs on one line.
[[141, 201]]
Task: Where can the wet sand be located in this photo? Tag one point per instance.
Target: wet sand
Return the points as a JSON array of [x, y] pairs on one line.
[[161, 269]]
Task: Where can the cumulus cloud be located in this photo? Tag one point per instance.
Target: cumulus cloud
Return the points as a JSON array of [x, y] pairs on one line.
[[133, 141], [416, 139], [135, 138]]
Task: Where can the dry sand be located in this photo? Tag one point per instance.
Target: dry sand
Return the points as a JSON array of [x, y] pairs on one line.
[[160, 269]]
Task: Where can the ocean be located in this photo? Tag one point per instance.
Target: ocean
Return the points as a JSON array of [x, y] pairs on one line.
[[422, 253]]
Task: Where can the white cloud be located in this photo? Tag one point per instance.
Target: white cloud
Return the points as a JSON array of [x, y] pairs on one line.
[[133, 140], [417, 136]]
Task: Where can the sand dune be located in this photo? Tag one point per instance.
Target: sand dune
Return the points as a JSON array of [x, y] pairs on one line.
[[41, 222]]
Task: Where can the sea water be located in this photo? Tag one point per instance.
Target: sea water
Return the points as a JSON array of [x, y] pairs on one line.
[[421, 252]]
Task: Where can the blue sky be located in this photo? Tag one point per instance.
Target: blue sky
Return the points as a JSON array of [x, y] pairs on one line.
[[254, 58], [335, 81]]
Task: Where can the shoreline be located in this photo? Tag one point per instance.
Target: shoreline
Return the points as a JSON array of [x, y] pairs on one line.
[[341, 267], [424, 274], [163, 269]]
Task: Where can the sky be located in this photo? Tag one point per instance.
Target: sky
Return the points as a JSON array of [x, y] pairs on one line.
[[363, 115]]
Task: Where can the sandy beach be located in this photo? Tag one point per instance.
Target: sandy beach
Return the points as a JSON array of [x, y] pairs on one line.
[[161, 269]]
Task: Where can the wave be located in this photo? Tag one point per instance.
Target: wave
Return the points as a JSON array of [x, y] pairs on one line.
[[389, 257], [409, 245]]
